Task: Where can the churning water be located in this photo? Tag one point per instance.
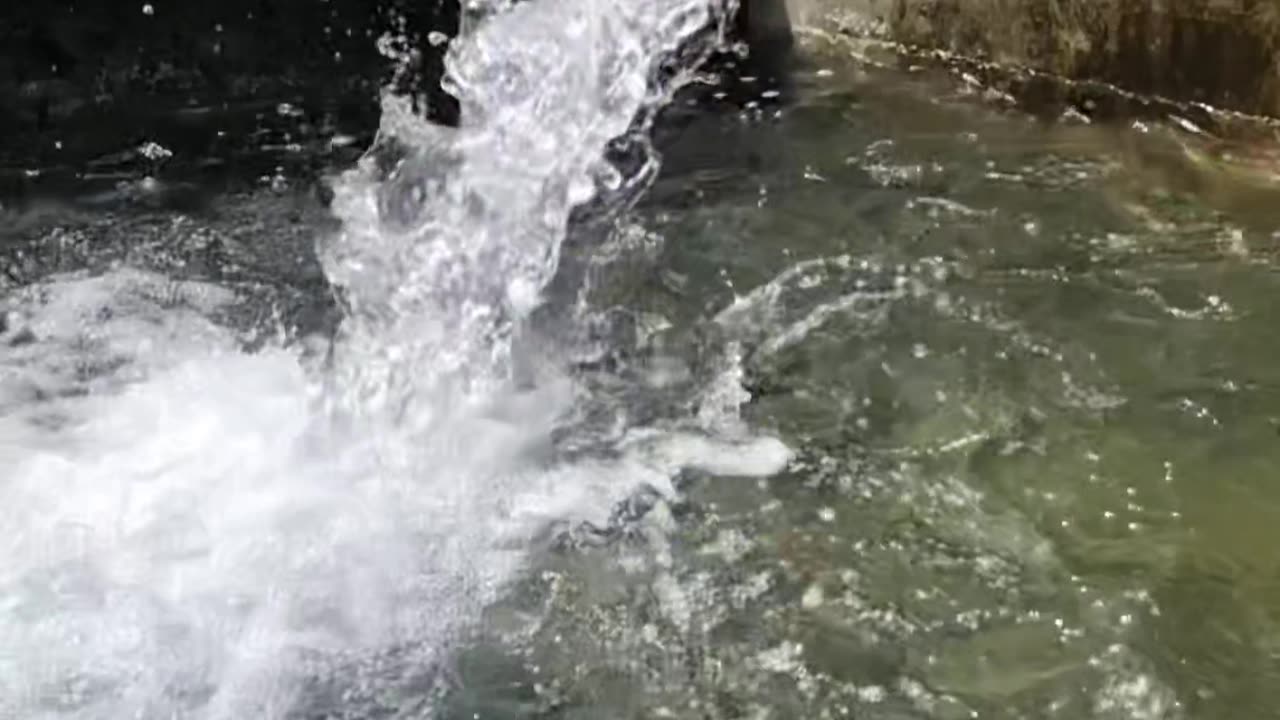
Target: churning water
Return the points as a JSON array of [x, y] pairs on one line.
[[194, 530], [473, 444]]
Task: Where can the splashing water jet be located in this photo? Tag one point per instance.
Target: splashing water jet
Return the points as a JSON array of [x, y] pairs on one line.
[[208, 533]]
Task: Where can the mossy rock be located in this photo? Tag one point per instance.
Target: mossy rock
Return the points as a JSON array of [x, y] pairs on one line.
[[1220, 52]]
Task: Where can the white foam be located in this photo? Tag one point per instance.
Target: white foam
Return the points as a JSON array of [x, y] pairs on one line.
[[76, 333], [192, 531], [191, 536]]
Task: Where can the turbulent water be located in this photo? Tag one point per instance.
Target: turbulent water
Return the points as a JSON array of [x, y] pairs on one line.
[[877, 397], [194, 530]]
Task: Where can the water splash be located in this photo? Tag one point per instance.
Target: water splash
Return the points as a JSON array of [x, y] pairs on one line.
[[225, 535], [446, 250]]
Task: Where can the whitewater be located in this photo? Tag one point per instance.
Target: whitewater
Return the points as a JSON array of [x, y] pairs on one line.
[[193, 529]]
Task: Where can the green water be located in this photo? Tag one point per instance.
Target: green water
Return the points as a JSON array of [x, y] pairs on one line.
[[1028, 371], [1030, 375]]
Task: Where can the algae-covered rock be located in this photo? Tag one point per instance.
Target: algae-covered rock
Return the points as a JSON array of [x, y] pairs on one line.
[[1222, 52]]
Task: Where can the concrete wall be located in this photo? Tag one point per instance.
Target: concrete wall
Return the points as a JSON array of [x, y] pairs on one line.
[[1222, 52]]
